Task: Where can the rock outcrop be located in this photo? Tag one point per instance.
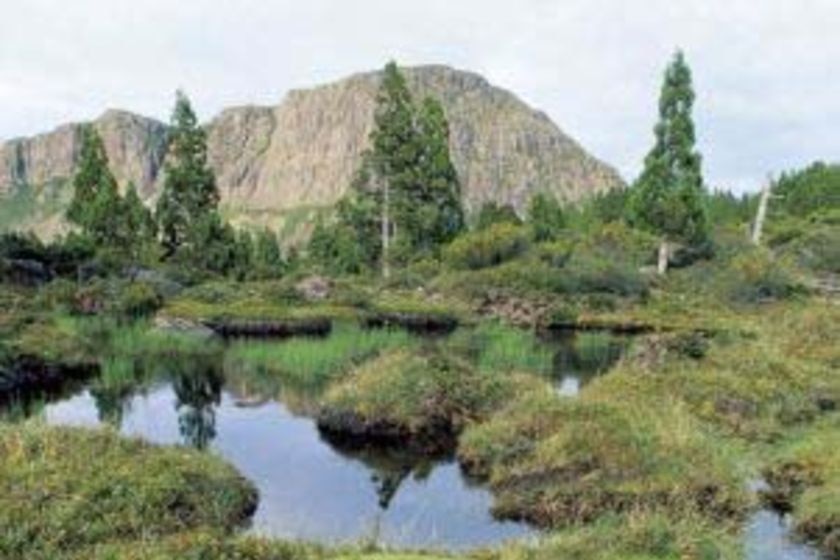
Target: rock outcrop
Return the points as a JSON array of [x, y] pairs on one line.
[[303, 152], [136, 147]]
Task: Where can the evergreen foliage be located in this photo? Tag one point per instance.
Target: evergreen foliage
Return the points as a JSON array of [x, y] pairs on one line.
[[190, 197], [668, 197], [406, 192], [95, 207], [140, 229], [439, 216], [803, 192]]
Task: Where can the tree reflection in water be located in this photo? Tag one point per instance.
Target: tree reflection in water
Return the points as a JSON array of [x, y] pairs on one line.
[[198, 389], [390, 466]]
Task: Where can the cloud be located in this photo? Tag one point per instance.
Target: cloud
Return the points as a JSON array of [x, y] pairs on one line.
[[766, 73]]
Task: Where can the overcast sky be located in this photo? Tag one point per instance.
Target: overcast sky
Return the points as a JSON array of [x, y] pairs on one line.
[[767, 72]]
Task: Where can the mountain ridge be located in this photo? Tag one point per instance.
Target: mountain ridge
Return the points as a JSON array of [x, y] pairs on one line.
[[273, 160]]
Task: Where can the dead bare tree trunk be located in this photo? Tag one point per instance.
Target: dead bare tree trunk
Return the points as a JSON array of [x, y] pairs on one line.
[[664, 254], [761, 213]]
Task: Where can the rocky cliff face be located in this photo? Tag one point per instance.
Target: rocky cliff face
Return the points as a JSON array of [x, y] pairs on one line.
[[136, 146], [302, 153]]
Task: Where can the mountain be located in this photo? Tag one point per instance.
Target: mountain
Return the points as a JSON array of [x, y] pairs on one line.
[[279, 165]]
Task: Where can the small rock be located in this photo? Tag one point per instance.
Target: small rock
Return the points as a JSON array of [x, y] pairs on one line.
[[314, 288]]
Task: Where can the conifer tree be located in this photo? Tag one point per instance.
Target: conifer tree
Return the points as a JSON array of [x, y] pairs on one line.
[[189, 191], [96, 201], [440, 216], [407, 187], [138, 220], [668, 197], [393, 156]]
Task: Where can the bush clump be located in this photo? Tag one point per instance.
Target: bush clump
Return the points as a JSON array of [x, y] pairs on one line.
[[757, 276], [488, 247]]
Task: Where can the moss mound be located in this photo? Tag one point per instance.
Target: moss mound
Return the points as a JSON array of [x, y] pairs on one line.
[[63, 490]]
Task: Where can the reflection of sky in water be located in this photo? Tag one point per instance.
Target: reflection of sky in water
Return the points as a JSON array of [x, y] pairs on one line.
[[580, 357], [768, 538], [307, 488], [568, 386]]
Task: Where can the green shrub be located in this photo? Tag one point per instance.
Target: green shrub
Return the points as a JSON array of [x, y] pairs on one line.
[[488, 247], [817, 248], [138, 299], [492, 213], [588, 273], [757, 276], [556, 253]]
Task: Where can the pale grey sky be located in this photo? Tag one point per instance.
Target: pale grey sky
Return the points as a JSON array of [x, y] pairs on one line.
[[767, 72]]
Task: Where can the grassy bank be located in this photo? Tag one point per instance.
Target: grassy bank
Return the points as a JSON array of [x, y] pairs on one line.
[[64, 490], [804, 477], [559, 462]]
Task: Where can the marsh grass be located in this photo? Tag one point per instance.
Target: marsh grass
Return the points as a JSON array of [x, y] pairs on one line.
[[312, 362], [755, 386], [499, 347]]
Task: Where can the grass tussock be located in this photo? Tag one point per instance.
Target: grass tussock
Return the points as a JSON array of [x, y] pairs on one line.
[[62, 490], [753, 386], [558, 462], [405, 395]]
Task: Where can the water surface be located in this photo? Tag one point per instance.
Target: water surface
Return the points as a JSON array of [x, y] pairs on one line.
[[309, 488]]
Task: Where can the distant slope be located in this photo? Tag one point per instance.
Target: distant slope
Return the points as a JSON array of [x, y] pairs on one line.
[[277, 165]]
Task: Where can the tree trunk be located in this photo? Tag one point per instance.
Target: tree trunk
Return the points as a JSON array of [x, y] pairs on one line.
[[386, 234], [664, 254], [761, 213]]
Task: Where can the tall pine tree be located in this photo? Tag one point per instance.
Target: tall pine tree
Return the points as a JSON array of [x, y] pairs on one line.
[[189, 192], [95, 206], [440, 216], [393, 156], [407, 187], [668, 197]]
